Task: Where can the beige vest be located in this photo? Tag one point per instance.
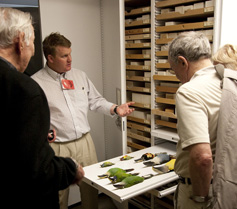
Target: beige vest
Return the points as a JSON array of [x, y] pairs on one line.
[[225, 165]]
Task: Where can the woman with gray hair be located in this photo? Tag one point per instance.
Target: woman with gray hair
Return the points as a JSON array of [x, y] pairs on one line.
[[197, 105], [32, 174]]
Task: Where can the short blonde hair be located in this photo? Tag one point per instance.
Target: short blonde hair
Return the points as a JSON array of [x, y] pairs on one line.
[[227, 56]]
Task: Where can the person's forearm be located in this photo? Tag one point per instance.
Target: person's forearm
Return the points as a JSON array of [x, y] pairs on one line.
[[123, 109], [200, 167]]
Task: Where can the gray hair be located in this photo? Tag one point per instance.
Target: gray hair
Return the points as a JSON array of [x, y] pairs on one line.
[[12, 22], [191, 45]]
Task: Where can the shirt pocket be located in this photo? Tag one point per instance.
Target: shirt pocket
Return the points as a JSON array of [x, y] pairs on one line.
[[80, 99]]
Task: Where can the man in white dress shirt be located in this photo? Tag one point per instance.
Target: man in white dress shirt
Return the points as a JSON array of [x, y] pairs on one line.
[[70, 95]]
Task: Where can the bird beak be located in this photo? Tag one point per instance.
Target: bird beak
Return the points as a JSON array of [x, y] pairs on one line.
[[103, 176]]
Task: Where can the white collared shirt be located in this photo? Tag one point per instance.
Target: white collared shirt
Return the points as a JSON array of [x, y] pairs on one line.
[[69, 107]]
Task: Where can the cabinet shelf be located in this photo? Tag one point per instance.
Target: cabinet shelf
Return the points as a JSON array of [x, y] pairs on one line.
[[166, 124], [138, 56], [138, 45], [138, 78], [138, 37], [166, 133], [163, 113], [166, 89], [135, 145], [139, 120], [137, 31], [164, 40], [138, 67], [162, 53], [168, 40], [139, 89], [138, 11], [138, 127], [138, 137], [195, 13], [141, 105], [165, 100], [168, 3], [165, 78], [138, 23], [185, 26], [162, 65], [137, 3]]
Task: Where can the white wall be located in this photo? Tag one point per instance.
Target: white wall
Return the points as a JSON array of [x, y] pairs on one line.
[[228, 25], [79, 21], [225, 29], [111, 71]]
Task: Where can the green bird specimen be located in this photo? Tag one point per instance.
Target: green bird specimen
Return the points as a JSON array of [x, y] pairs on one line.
[[112, 171], [106, 164], [119, 176], [129, 181]]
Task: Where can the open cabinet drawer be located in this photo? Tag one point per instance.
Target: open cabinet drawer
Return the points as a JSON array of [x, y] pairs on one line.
[[120, 195]]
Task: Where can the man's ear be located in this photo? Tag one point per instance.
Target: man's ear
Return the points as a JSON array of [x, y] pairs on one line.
[[19, 43], [50, 58], [183, 62]]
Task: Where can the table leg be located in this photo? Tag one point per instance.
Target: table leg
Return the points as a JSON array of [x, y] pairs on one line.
[[125, 204]]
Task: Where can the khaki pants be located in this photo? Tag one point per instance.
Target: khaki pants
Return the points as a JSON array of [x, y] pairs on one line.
[[182, 198], [83, 151]]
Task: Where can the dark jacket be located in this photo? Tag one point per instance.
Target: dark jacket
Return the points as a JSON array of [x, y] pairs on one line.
[[31, 174]]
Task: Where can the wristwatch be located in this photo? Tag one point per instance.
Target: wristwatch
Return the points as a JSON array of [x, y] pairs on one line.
[[200, 199], [115, 109]]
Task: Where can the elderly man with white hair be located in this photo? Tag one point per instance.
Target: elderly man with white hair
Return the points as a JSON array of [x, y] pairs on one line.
[[31, 173]]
